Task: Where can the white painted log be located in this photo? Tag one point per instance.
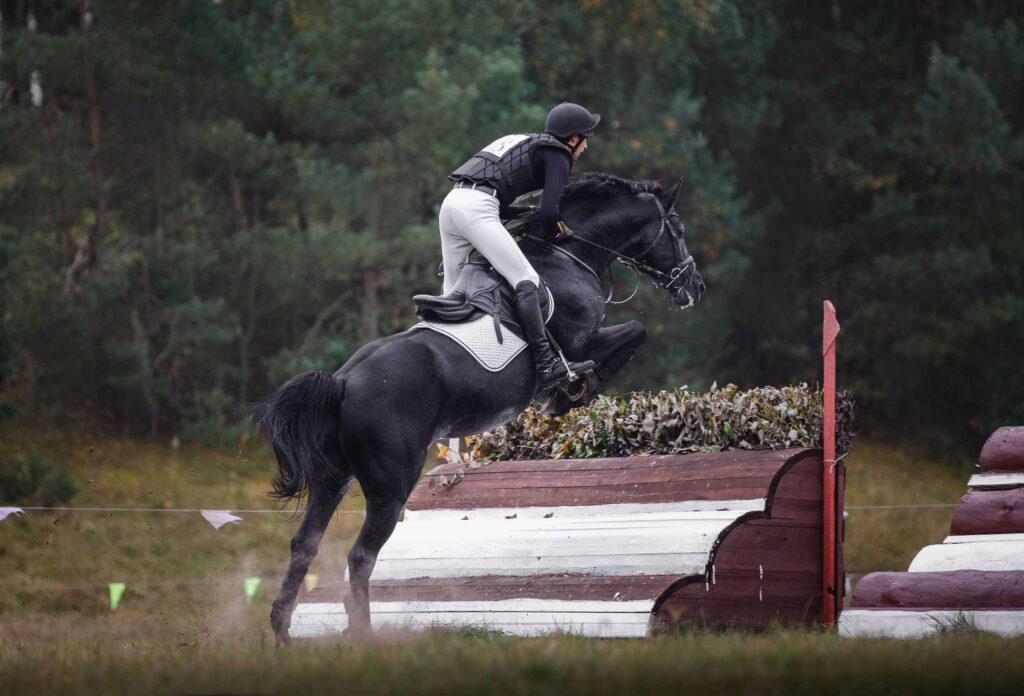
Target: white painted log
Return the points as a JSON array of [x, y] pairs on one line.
[[906, 623], [609, 564], [621, 510], [996, 480], [664, 542], [972, 538], [977, 555], [521, 617], [562, 518]]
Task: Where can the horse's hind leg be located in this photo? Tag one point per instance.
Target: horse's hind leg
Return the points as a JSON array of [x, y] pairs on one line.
[[323, 500]]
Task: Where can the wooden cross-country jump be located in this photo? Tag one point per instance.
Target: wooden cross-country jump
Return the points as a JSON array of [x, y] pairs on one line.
[[614, 547]]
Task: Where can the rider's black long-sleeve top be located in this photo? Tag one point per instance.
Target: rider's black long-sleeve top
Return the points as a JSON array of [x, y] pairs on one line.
[[552, 167], [555, 166]]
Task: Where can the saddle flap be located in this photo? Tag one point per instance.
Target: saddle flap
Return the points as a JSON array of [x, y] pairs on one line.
[[479, 289], [439, 301], [476, 278]]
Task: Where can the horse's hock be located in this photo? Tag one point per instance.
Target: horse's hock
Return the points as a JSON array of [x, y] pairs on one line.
[[602, 547], [974, 579]]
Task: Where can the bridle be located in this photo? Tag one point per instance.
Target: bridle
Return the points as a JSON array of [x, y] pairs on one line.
[[681, 272]]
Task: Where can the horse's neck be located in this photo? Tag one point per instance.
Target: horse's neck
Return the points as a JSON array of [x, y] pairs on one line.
[[579, 299], [596, 243]]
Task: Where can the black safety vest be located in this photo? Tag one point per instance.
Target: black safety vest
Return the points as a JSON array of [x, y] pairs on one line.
[[507, 165]]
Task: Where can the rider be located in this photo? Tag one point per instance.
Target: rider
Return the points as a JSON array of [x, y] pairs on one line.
[[486, 186]]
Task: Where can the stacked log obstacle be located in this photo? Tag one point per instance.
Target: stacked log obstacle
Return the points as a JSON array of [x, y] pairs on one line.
[[615, 547], [975, 577]]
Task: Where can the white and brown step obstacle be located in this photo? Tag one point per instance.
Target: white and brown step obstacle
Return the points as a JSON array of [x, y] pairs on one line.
[[975, 577], [615, 547]]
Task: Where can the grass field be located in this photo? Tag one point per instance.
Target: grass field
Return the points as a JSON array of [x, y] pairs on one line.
[[184, 626], [446, 663]]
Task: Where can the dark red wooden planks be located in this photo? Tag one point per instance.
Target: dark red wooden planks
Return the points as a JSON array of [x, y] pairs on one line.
[[958, 589], [766, 568], [1004, 450], [555, 495], [989, 512], [650, 479], [496, 588], [693, 609], [709, 461]]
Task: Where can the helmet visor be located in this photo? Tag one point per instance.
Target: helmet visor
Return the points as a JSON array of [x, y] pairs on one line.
[[590, 131]]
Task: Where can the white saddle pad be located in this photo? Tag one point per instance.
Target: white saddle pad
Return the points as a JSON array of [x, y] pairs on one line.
[[478, 338]]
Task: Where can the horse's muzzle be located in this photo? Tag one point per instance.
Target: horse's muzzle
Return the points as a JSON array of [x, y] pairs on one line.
[[690, 292]]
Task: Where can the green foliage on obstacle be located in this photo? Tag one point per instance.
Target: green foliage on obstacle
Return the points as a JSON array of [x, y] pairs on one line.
[[672, 422]]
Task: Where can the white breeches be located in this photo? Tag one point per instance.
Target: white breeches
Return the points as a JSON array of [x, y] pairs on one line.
[[469, 220]]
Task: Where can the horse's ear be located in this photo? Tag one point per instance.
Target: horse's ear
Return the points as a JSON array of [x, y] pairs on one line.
[[668, 198]]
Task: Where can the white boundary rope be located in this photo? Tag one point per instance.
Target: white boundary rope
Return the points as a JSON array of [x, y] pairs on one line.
[[48, 587]]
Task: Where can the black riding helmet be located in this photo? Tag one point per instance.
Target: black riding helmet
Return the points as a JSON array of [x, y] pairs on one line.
[[568, 119]]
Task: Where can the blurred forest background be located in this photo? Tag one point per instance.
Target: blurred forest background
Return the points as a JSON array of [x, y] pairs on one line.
[[200, 198]]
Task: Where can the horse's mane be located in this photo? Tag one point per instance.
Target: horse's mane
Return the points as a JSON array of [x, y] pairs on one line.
[[597, 185], [601, 183]]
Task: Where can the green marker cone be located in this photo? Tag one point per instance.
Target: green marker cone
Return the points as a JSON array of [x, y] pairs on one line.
[[116, 590], [251, 585]]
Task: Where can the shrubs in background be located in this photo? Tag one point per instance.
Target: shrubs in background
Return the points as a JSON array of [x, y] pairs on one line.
[[33, 480], [675, 421]]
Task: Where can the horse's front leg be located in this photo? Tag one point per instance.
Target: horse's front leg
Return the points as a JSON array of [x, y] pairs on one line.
[[610, 349]]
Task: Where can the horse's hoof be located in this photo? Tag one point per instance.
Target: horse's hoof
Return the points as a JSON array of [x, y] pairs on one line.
[[281, 637], [280, 622], [557, 404], [560, 400], [358, 635]]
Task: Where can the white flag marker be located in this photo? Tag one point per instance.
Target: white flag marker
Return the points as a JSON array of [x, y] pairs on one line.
[[219, 518], [5, 511]]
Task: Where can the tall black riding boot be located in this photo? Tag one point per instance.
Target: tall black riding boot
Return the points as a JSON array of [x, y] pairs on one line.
[[550, 368]]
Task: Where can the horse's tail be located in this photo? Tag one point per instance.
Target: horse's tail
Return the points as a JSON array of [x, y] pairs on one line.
[[301, 421]]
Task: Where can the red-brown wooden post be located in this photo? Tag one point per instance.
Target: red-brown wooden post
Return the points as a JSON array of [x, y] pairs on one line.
[[829, 589]]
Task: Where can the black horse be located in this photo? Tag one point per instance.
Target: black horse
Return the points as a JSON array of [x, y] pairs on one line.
[[375, 418]]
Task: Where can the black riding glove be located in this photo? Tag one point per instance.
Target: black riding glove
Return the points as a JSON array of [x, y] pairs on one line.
[[513, 212]]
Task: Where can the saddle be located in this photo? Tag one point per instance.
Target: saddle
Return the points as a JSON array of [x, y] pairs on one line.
[[479, 291]]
